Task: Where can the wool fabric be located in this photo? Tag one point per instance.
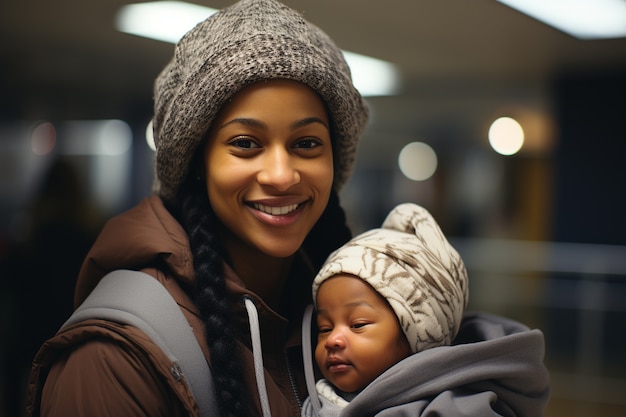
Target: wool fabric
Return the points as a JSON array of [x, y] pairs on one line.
[[413, 266], [248, 42]]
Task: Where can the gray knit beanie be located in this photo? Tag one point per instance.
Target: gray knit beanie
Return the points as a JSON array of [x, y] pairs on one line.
[[412, 265], [250, 41]]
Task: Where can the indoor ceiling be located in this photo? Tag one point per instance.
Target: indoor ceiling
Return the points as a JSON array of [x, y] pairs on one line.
[[64, 58]]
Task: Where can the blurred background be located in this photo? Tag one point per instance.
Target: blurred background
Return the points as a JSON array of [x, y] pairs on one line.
[[538, 218]]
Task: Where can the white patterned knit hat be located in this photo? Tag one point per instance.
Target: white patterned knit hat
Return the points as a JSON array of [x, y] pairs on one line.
[[413, 266], [248, 42]]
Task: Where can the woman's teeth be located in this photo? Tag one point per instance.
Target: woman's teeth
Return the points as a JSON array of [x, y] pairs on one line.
[[275, 211]]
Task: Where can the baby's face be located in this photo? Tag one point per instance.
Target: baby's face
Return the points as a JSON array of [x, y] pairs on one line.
[[359, 334]]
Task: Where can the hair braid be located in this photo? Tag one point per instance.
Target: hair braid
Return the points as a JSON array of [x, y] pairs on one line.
[[213, 303], [329, 233], [198, 218]]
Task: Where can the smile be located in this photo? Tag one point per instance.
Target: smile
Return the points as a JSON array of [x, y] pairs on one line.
[[275, 211]]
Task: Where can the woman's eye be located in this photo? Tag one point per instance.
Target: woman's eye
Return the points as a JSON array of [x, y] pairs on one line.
[[307, 143], [244, 143]]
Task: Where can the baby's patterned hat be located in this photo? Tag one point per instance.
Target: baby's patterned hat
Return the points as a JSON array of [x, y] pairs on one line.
[[413, 266], [248, 42]]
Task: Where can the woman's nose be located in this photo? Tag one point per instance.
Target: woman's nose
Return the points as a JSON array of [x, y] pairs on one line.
[[278, 170]]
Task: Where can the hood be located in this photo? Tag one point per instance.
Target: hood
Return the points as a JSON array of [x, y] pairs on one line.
[[141, 237], [494, 364]]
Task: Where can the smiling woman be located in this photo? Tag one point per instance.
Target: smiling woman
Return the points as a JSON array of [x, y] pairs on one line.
[[255, 128], [269, 166]]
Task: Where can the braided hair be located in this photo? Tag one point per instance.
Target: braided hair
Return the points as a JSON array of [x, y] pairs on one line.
[[211, 298], [201, 224]]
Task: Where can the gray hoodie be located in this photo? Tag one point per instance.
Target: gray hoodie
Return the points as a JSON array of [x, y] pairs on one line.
[[493, 368]]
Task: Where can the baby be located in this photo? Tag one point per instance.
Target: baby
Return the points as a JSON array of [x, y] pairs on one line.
[[386, 294]]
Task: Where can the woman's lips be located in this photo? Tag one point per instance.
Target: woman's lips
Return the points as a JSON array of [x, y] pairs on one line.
[[282, 215], [275, 211]]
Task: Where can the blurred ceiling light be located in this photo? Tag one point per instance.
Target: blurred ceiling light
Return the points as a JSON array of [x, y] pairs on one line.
[[506, 136], [113, 137], [417, 161], [95, 137], [165, 21], [372, 76], [150, 135], [168, 21], [582, 19]]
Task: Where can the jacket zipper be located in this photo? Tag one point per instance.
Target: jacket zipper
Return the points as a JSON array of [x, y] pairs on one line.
[[292, 381]]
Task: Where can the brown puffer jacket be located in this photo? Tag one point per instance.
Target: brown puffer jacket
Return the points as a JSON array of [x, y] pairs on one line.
[[101, 368]]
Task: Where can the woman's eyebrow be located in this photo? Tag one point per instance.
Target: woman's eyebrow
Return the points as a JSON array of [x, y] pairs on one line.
[[250, 122], [246, 121], [308, 121]]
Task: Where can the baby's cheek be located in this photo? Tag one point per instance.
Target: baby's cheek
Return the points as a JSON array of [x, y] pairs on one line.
[[320, 352]]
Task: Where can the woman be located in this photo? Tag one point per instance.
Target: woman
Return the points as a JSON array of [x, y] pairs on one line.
[[256, 123]]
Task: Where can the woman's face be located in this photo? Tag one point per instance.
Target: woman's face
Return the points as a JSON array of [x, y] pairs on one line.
[[269, 166], [359, 336]]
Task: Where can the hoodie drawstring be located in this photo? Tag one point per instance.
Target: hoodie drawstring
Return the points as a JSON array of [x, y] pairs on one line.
[[255, 334], [307, 355]]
